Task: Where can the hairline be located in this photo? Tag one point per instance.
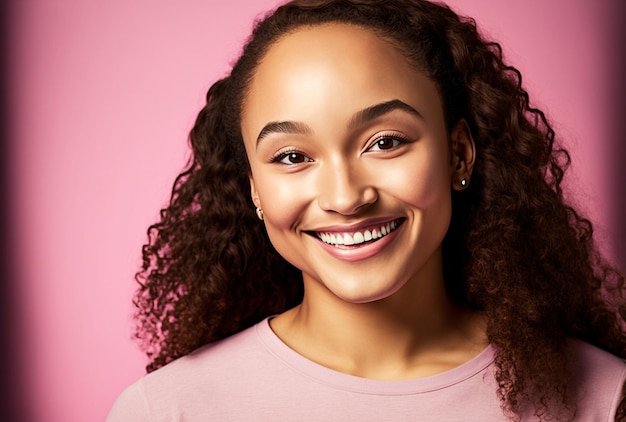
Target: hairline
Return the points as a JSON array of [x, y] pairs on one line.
[[386, 36]]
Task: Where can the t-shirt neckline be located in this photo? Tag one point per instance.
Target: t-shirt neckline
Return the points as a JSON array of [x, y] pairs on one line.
[[346, 382]]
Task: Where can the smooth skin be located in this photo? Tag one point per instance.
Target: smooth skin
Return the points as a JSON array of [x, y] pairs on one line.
[[344, 135]]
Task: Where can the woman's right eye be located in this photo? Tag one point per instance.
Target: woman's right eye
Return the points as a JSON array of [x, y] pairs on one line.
[[291, 158]]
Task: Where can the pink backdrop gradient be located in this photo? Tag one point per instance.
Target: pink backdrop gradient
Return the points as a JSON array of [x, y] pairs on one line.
[[102, 96]]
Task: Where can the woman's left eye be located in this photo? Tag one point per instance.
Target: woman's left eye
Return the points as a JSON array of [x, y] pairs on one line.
[[385, 143]]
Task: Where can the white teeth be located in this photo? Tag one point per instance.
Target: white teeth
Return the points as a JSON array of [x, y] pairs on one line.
[[358, 237], [339, 240], [347, 239]]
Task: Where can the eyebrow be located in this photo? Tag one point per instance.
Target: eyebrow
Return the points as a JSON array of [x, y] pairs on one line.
[[381, 109], [361, 117], [283, 127]]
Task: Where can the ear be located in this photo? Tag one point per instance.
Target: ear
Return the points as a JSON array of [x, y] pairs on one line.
[[463, 153], [253, 192]]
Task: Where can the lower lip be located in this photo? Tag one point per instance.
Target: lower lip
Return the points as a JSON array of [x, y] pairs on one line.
[[363, 251]]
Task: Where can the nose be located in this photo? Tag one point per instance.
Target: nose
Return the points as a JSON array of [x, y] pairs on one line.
[[344, 189]]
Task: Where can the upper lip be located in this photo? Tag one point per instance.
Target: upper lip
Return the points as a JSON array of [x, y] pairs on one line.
[[353, 227]]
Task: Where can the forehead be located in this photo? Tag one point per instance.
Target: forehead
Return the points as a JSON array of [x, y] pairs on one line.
[[329, 38], [338, 67]]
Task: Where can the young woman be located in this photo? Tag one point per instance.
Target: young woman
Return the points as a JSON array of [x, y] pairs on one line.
[[372, 227]]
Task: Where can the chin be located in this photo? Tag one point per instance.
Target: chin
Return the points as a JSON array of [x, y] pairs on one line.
[[359, 291]]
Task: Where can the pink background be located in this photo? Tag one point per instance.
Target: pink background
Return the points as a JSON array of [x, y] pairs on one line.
[[102, 95]]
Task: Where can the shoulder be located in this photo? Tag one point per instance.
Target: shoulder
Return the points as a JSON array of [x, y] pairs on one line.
[[592, 361], [192, 379], [214, 361], [598, 378]]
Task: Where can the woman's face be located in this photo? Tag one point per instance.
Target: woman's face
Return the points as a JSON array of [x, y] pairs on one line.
[[350, 161]]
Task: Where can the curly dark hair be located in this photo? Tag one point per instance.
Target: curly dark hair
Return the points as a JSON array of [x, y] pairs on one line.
[[515, 249]]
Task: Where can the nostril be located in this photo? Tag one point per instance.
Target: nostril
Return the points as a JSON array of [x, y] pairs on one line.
[[347, 201]]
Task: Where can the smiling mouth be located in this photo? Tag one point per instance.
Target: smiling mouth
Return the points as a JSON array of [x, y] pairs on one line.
[[359, 237]]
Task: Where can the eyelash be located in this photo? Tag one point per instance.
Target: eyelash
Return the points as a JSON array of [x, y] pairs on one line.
[[279, 157], [385, 137]]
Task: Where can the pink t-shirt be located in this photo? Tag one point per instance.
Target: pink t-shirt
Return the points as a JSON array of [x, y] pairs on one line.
[[254, 376]]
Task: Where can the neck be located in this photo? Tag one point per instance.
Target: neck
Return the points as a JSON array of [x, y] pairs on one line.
[[415, 332]]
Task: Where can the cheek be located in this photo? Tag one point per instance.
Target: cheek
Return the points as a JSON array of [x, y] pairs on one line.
[[423, 182], [284, 201]]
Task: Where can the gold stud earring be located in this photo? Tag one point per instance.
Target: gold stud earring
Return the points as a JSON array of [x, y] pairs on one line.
[[259, 213]]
